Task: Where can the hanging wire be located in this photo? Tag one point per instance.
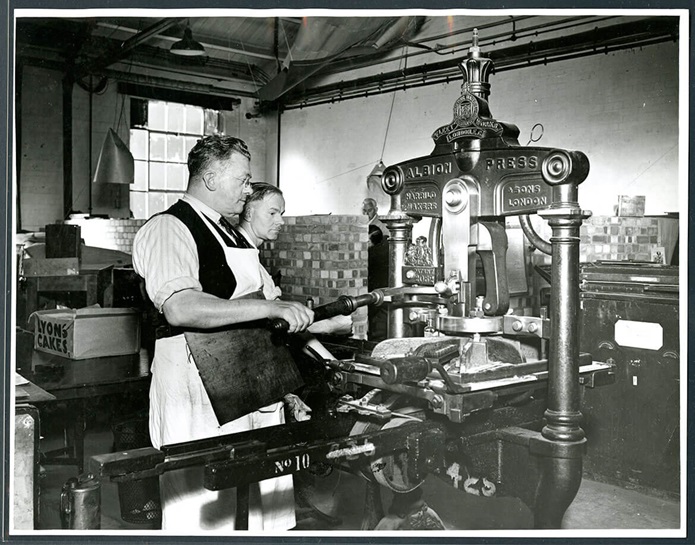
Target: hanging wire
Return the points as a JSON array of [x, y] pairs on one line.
[[256, 86], [652, 164], [289, 49], [393, 101], [118, 116], [383, 148], [123, 99], [388, 123], [359, 167], [248, 64], [276, 43]]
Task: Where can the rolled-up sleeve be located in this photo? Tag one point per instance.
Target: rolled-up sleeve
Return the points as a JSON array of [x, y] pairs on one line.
[[165, 255]]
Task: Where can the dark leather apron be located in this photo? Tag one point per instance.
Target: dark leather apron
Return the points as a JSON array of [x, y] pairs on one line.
[[243, 368]]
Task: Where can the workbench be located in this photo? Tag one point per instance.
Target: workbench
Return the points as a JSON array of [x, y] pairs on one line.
[[77, 382], [91, 286]]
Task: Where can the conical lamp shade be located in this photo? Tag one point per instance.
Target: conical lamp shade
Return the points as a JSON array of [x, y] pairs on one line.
[[377, 172], [116, 164]]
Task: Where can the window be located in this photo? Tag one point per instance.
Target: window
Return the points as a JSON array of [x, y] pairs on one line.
[[161, 136]]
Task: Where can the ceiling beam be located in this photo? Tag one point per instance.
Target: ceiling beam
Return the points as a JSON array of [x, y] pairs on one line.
[[116, 54], [233, 47]]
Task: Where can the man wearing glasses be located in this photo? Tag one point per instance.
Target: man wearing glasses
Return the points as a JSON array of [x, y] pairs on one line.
[[202, 274]]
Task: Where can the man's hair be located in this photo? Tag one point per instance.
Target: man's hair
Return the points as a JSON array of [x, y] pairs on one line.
[[214, 148], [369, 201], [260, 191]]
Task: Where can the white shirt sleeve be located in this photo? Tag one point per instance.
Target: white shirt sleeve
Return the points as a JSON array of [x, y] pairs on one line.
[[166, 256], [270, 290]]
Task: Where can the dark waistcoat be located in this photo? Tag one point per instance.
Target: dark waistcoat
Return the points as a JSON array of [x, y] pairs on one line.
[[214, 274]]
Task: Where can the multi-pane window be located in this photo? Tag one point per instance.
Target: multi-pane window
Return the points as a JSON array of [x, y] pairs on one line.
[[161, 136]]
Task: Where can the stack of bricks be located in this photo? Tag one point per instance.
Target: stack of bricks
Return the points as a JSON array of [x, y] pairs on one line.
[[322, 257], [619, 238], [602, 238], [112, 234], [613, 238]]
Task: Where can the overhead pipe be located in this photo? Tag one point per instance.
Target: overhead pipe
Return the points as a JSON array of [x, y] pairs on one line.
[[425, 79], [447, 77], [490, 40], [176, 85], [593, 42]]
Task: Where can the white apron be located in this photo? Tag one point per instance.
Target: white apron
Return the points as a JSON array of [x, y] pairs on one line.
[[180, 410]]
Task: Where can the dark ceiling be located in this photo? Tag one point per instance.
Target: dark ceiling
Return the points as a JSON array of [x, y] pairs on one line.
[[297, 60]]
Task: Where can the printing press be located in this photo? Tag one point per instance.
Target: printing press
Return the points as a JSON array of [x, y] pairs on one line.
[[486, 400]]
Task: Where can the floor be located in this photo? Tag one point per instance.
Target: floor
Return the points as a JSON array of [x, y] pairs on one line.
[[597, 505]]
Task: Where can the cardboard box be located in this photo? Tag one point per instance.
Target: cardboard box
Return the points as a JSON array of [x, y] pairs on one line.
[[87, 332], [631, 206]]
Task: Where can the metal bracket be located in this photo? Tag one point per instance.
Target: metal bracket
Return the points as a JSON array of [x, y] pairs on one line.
[[527, 326]]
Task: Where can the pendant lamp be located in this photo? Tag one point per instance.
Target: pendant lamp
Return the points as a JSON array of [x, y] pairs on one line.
[[187, 47], [115, 164]]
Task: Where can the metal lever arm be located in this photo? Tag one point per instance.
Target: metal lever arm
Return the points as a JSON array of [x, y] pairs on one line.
[[492, 250], [345, 304]]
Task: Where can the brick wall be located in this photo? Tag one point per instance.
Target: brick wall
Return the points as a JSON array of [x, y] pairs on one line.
[[111, 234], [322, 257]]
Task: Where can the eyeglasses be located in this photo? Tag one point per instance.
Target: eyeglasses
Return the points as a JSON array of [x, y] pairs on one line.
[[245, 182]]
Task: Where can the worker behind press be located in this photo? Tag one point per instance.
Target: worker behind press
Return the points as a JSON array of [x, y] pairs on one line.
[[202, 274], [261, 221]]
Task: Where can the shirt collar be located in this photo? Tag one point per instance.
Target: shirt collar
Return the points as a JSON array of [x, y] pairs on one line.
[[201, 207], [246, 235]]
